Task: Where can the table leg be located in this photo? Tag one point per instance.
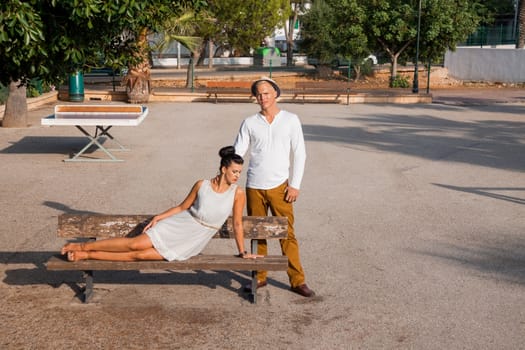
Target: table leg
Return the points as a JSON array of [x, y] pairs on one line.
[[94, 141], [105, 132]]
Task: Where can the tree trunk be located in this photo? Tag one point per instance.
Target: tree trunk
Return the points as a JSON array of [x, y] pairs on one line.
[[190, 72], [15, 115], [289, 55], [210, 53], [199, 60], [393, 73], [357, 70], [138, 78], [521, 25], [288, 33]]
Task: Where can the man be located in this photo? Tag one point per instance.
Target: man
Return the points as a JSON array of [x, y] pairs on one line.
[[271, 135]]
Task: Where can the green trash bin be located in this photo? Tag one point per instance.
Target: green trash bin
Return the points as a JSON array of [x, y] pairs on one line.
[[76, 87], [267, 57]]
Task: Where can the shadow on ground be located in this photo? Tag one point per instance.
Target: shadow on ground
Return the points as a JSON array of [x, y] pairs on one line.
[[39, 275], [489, 143], [499, 258]]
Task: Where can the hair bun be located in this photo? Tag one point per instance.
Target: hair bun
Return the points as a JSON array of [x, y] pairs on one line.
[[227, 151]]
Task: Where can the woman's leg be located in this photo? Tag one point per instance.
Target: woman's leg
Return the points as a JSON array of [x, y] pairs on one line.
[[123, 244], [146, 254]]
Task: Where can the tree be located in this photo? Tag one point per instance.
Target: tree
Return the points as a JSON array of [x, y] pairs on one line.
[[353, 27], [521, 25], [333, 28], [186, 28], [393, 26], [297, 7], [50, 39], [243, 25], [444, 26], [41, 39], [21, 42]]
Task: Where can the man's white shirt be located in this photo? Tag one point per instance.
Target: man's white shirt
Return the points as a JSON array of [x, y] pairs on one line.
[[270, 145]]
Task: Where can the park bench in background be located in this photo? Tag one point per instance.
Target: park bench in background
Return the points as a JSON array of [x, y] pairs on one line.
[[233, 90], [92, 227], [334, 89]]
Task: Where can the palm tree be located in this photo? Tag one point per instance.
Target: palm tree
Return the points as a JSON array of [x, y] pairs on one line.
[[178, 28], [184, 29]]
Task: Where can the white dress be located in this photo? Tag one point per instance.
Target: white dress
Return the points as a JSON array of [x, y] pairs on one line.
[[185, 234]]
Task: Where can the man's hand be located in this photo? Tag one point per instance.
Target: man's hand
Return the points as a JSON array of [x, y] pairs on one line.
[[291, 194]]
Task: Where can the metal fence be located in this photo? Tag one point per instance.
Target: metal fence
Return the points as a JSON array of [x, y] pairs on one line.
[[503, 34]]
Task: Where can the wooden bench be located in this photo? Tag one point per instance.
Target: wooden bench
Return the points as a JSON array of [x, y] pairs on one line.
[[92, 227], [322, 88], [229, 89]]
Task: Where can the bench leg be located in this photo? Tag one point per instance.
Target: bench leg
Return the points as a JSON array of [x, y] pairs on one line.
[[88, 289], [253, 295]]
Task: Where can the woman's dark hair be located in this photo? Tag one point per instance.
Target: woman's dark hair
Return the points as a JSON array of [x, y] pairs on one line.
[[228, 156]]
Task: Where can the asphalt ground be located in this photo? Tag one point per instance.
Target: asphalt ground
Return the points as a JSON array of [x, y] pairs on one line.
[[410, 223]]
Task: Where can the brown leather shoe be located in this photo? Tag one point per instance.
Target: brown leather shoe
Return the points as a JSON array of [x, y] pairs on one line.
[[260, 284], [303, 290]]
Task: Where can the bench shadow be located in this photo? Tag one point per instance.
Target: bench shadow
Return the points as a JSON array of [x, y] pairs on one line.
[[67, 209], [39, 275]]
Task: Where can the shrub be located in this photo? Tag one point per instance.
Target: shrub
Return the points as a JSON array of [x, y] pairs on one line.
[[400, 82]]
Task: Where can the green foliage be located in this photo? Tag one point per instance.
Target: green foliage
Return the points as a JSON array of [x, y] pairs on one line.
[[184, 28], [243, 25], [443, 26], [333, 28], [51, 38], [22, 41], [399, 81], [497, 7], [32, 91], [353, 27]]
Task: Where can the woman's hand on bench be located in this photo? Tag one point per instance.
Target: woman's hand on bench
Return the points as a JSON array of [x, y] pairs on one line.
[[245, 255]]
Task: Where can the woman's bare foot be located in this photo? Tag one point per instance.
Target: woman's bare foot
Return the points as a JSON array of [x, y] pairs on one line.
[[77, 255], [72, 247]]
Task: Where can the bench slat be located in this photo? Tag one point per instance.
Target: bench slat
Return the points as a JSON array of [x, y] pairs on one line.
[[322, 88], [229, 88], [108, 226], [229, 84], [199, 262]]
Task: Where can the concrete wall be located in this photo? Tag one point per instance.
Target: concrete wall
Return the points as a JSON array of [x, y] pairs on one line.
[[486, 64]]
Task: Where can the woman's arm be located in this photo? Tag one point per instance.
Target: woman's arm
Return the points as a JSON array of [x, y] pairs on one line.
[[238, 230], [238, 207], [184, 205]]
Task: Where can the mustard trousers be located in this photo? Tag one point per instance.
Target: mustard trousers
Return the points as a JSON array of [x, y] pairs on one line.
[[258, 203]]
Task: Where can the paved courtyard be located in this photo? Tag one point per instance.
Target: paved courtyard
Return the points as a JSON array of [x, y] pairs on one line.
[[411, 223]]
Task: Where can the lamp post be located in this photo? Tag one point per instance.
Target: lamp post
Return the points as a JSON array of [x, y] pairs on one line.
[[415, 86]]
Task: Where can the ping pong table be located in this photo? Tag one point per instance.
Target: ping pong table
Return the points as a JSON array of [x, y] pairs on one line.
[[103, 118]]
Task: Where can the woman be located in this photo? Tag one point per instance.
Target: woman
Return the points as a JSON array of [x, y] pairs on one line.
[[182, 231]]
